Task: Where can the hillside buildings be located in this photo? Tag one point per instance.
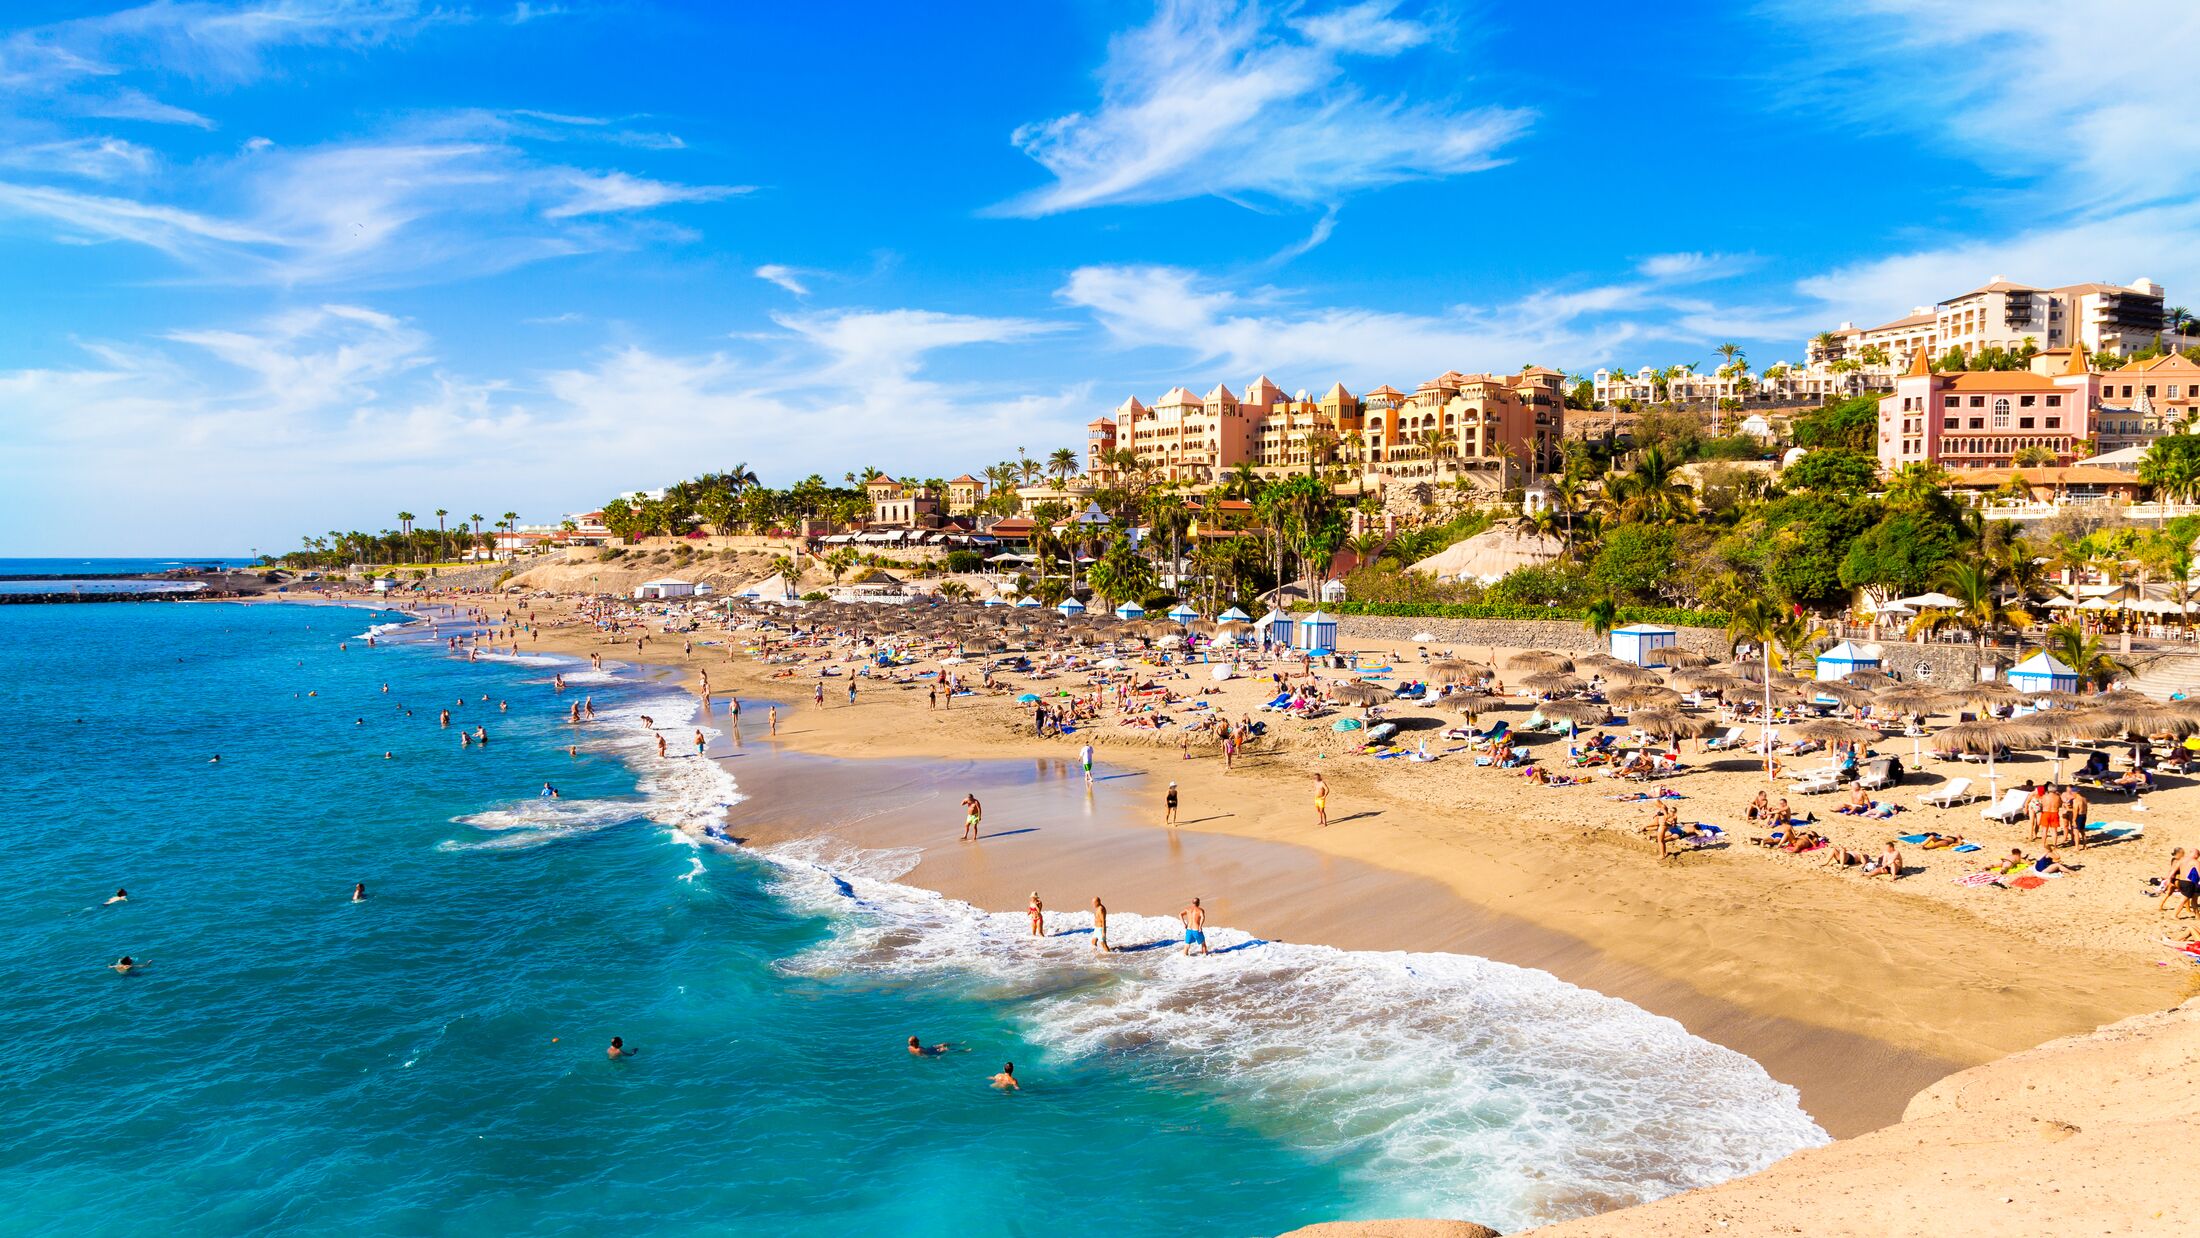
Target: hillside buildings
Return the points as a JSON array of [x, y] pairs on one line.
[[1453, 421], [2111, 320], [1985, 419]]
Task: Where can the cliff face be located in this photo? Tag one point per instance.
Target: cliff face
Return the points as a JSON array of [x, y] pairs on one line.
[[2087, 1135]]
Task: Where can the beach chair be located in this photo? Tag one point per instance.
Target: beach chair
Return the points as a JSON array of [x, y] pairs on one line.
[[1957, 791], [1880, 773], [2008, 808], [1734, 738], [1818, 782]]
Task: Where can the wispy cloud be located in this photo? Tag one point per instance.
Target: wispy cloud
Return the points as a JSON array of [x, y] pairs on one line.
[[1214, 97], [789, 278], [444, 197]]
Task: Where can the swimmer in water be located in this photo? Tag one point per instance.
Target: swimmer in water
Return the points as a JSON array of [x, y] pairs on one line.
[[918, 1048], [548, 792], [216, 759], [1006, 1080], [359, 892], [618, 1049], [124, 965], [121, 896]]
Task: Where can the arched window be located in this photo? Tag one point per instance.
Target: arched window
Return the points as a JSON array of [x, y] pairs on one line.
[[2001, 412]]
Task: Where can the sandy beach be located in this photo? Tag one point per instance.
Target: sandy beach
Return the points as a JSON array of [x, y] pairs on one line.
[[1857, 993]]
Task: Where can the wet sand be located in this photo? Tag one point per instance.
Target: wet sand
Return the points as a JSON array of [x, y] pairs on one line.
[[1045, 830]]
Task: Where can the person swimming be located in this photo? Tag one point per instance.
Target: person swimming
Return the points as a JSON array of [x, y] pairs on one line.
[[1006, 1080], [121, 896], [359, 892], [124, 965], [618, 1049], [918, 1048]]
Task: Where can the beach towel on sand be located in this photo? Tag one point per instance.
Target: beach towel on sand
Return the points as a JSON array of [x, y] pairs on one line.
[[2029, 882], [1977, 879]]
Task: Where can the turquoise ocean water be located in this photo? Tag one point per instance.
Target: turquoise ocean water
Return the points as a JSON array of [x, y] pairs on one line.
[[431, 1061]]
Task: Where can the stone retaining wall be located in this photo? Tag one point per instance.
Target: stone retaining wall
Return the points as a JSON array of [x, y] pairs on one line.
[[1565, 635]]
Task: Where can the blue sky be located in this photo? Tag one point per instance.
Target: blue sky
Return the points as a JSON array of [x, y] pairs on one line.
[[284, 265]]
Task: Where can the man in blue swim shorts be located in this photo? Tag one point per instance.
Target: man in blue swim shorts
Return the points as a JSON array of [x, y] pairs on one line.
[[1195, 927]]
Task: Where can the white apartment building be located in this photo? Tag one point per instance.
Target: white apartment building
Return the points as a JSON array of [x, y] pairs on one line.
[[2106, 319]]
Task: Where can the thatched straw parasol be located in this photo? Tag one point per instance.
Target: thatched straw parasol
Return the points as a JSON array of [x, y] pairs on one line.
[[1985, 695], [1539, 660], [1704, 679], [1644, 696], [2141, 715], [1989, 734], [1575, 713], [1868, 677], [1456, 671], [1669, 723], [1684, 659], [1833, 731], [1357, 694], [1842, 693], [1548, 683]]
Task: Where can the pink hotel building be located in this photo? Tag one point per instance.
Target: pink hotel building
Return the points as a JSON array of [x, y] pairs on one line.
[[1980, 420]]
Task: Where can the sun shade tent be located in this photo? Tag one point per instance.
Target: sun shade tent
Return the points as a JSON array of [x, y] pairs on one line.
[[1639, 644], [1276, 627], [1071, 606], [1234, 615], [1318, 633], [1839, 661], [1130, 610], [1182, 614], [2042, 673]]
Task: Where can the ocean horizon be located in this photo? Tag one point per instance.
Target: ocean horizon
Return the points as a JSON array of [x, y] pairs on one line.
[[432, 1058]]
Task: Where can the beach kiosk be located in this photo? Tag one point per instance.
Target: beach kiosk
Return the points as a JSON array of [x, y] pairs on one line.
[[385, 582], [2042, 673], [659, 590], [1130, 610], [996, 600], [1233, 615], [1275, 627], [1642, 644], [1318, 633], [1180, 613], [1027, 602], [1837, 662], [1071, 606]]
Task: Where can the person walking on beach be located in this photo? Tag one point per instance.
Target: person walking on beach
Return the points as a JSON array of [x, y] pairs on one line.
[[1085, 755], [661, 748], [973, 812], [1194, 917], [1168, 807], [1099, 926], [1038, 913], [851, 690], [820, 694], [1321, 800], [700, 742], [772, 716]]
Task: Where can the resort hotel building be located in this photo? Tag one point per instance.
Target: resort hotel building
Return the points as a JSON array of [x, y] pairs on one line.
[[1451, 422]]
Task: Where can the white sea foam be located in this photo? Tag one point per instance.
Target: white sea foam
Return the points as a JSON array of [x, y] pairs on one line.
[[1454, 1085]]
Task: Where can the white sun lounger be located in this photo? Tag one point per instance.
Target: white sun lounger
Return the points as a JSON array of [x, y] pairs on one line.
[[1732, 739], [1956, 792], [2010, 807], [1818, 782]]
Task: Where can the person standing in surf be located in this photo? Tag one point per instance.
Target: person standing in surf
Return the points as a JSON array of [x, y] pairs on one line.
[[1321, 800], [1085, 755], [973, 813], [1038, 913], [1099, 926], [1194, 917]]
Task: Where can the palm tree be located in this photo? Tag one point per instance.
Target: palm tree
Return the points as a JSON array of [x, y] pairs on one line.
[[1979, 608], [1600, 617], [1063, 464], [404, 527], [442, 535], [740, 477], [1758, 620], [1651, 491], [511, 522], [2086, 653], [1732, 369]]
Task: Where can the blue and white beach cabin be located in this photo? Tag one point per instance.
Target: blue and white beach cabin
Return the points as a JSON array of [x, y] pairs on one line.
[[1071, 606], [2042, 673], [1318, 633], [1130, 610], [1837, 662], [1275, 627], [1180, 613], [1026, 602], [996, 600], [1641, 644], [1233, 615]]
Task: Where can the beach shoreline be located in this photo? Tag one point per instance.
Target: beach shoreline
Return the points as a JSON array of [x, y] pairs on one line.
[[1857, 999]]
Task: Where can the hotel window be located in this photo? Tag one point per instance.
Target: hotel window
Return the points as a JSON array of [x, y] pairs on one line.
[[2173, 388], [1978, 401], [2024, 423], [2054, 423], [1977, 423], [2054, 401], [2001, 412], [2025, 401]]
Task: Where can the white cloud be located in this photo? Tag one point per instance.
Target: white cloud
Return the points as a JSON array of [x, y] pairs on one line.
[[610, 192], [96, 158], [1692, 266], [2082, 119], [445, 198], [1212, 97], [1265, 330], [789, 278], [278, 417]]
